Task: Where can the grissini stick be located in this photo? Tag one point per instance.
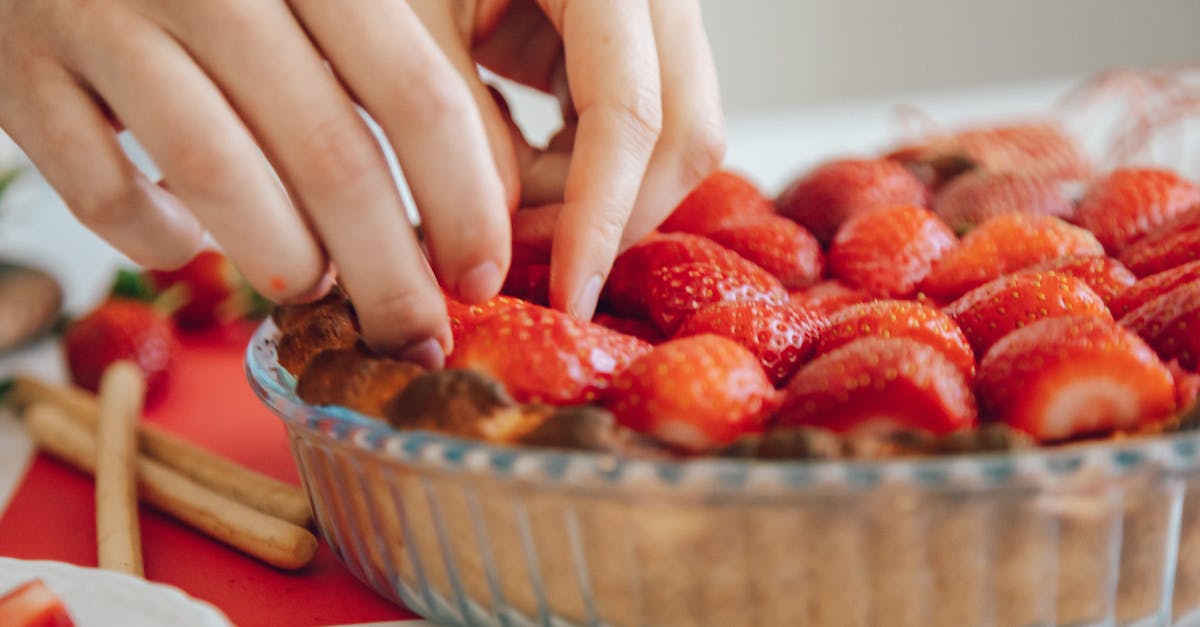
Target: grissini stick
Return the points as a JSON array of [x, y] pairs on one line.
[[267, 494], [118, 539], [274, 541]]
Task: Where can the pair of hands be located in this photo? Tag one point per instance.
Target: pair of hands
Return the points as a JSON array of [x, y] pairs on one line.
[[211, 88]]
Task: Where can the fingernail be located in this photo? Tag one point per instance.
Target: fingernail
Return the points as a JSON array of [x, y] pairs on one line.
[[585, 301], [317, 291], [479, 283], [426, 353]]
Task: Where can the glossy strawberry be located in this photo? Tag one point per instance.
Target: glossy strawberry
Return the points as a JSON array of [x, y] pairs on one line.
[[1002, 245], [1173, 244], [827, 297], [529, 282], [1064, 377], [722, 199], [972, 198], [641, 329], [1170, 324], [778, 245], [889, 251], [898, 318], [121, 329], [211, 291], [995, 309], [877, 384], [464, 318], [1033, 148], [781, 336], [695, 393], [546, 356], [675, 292], [1130, 202], [1106, 276], [836, 191], [32, 604], [1187, 385], [1153, 286]]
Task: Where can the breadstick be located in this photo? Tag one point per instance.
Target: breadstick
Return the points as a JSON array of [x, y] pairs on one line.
[[237, 482], [274, 541], [118, 539]]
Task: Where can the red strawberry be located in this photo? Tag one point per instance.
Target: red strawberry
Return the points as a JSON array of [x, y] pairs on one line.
[[1187, 385], [625, 291], [529, 282], [212, 291], [1004, 244], [781, 336], [1131, 202], [888, 252], [838, 190], [464, 318], [1106, 276], [1059, 378], [1173, 244], [1153, 286], [673, 293], [695, 393], [971, 198], [722, 199], [121, 329], [1033, 148], [878, 384], [778, 245], [546, 356], [827, 297], [32, 604], [898, 318], [1171, 324], [995, 309], [641, 329]]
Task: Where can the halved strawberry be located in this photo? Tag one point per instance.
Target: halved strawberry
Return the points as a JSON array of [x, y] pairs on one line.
[[781, 336], [625, 291], [827, 297], [695, 393], [675, 292], [722, 199], [1035, 148], [1106, 276], [32, 604], [464, 318], [898, 318], [1059, 378], [836, 191], [546, 356], [889, 251], [778, 245], [993, 310], [972, 198], [121, 329], [877, 384], [1130, 202], [1170, 324], [1002, 245], [1153, 286], [1172, 244]]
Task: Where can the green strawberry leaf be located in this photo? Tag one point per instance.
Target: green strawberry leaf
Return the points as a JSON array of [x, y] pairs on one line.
[[7, 177], [133, 285]]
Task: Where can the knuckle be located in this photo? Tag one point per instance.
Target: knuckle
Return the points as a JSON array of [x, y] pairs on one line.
[[435, 93], [641, 112], [338, 152], [106, 203]]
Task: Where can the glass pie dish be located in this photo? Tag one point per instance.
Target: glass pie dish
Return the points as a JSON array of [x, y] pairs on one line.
[[468, 533]]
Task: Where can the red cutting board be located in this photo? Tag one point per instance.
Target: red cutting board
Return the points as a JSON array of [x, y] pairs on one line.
[[52, 513]]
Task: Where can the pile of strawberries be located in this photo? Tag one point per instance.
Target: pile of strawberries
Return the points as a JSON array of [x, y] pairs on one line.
[[936, 288]]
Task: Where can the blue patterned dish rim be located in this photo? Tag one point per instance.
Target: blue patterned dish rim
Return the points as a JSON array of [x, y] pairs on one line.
[[425, 450]]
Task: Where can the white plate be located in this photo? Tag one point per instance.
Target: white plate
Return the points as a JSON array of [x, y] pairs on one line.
[[101, 598]]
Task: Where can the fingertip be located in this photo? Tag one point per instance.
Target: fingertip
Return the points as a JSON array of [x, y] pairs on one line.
[[480, 283], [427, 353], [583, 305]]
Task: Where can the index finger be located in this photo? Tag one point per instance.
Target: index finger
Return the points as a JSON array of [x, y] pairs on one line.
[[612, 68]]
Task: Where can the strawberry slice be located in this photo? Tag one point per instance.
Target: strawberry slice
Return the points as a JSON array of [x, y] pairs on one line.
[[722, 199], [827, 297], [695, 393], [877, 384], [625, 291], [778, 245], [993, 310], [1171, 245], [546, 356], [1153, 286], [889, 251], [1170, 324], [781, 336], [970, 199], [898, 318], [121, 329], [1106, 276], [675, 292], [836, 191], [1060, 378], [1130, 202], [464, 318], [1002, 245], [32, 604]]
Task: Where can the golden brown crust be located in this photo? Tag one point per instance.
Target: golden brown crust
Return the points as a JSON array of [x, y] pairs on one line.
[[308, 329], [352, 378], [464, 403]]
